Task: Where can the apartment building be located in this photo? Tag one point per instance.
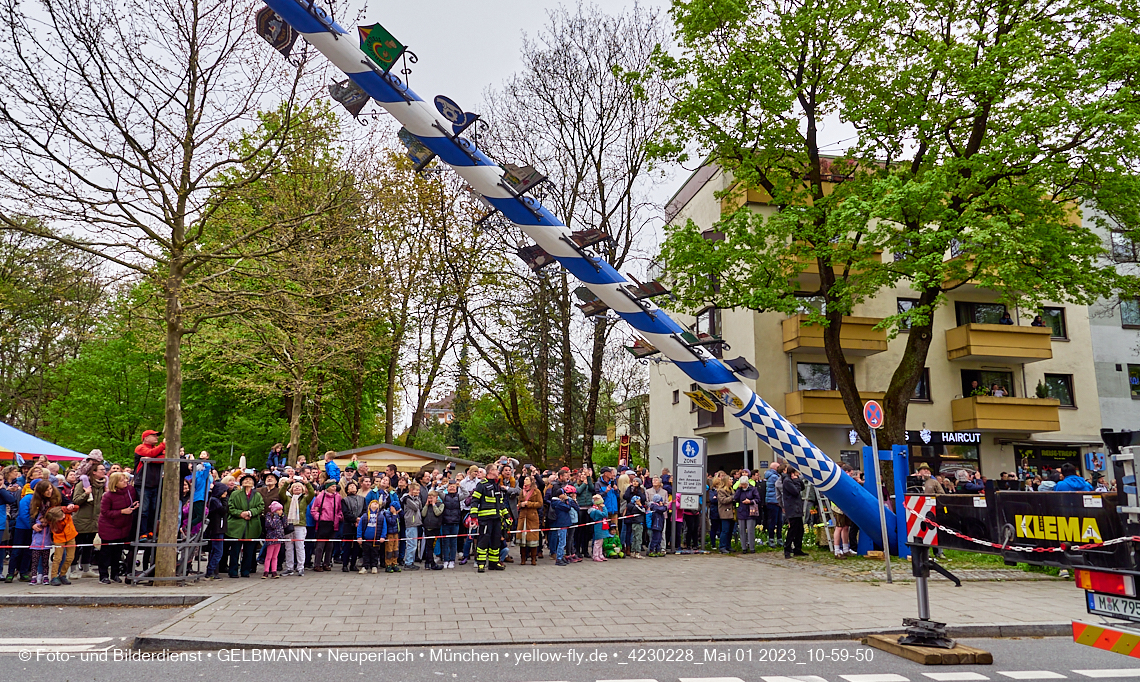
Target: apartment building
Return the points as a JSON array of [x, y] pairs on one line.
[[948, 427], [1116, 342]]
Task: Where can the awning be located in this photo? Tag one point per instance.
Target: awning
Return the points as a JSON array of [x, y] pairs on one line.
[[14, 441]]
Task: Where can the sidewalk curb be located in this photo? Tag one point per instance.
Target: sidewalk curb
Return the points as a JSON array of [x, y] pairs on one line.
[[101, 600], [153, 640]]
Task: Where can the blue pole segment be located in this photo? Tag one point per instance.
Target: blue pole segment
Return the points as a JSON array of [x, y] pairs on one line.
[[484, 176]]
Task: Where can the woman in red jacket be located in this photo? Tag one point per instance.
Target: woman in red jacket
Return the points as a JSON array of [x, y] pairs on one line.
[[117, 512]]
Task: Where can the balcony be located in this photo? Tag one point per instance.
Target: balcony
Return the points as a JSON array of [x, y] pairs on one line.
[[987, 413], [999, 343], [820, 408], [857, 336]]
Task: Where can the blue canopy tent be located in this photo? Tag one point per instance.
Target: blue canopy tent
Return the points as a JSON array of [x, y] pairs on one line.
[[15, 442]]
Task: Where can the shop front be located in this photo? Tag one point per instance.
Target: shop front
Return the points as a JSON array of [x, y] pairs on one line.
[[945, 452], [1038, 460]]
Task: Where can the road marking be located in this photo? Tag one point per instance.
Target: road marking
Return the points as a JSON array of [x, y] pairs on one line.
[[1110, 672], [14, 645], [627, 680], [885, 677], [50, 641], [796, 678], [711, 679], [955, 677], [1032, 675]]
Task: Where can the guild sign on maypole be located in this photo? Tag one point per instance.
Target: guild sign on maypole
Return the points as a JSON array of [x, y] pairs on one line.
[[276, 32], [380, 46]]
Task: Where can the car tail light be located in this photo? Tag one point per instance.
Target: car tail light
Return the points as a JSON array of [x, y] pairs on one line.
[[1110, 583]]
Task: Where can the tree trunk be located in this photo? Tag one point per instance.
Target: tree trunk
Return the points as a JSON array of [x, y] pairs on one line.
[[567, 374], [295, 422], [390, 398], [357, 402], [590, 418], [907, 375], [542, 371], [166, 557], [315, 436]]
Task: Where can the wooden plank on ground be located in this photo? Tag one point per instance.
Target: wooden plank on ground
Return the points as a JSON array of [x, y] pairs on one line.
[[959, 655]]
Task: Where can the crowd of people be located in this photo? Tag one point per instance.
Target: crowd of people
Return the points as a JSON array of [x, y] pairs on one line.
[[80, 522]]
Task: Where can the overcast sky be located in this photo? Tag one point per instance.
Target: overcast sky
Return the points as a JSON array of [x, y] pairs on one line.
[[465, 46]]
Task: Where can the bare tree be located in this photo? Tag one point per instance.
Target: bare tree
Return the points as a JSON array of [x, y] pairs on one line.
[[574, 112], [116, 127]]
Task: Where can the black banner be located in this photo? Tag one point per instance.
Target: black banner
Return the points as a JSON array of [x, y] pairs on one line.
[[351, 95], [273, 28], [1036, 519]]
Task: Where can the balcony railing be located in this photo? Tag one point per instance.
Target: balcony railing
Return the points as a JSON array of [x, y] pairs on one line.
[[999, 343], [987, 413], [820, 408], [857, 336]]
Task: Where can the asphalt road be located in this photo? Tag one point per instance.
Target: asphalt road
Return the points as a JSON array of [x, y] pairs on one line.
[[1014, 659]]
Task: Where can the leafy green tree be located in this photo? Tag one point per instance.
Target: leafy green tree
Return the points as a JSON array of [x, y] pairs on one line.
[[50, 302], [984, 131], [113, 389]]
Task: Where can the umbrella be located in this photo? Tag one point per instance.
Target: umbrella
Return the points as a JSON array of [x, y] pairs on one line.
[[14, 443]]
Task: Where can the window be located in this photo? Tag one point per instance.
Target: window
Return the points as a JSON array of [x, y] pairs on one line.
[[1061, 387], [676, 397], [704, 417], [708, 322], [816, 376], [1055, 318], [905, 305], [922, 390], [1130, 313], [980, 313], [808, 304], [1134, 381], [1123, 248], [985, 382]]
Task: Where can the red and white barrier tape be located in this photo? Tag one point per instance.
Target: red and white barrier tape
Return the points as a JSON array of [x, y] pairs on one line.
[[1026, 548]]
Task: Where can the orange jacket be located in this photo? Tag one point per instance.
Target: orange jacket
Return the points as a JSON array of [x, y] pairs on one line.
[[64, 532]]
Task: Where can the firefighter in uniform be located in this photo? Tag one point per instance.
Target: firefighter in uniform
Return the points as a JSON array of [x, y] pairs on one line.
[[489, 505]]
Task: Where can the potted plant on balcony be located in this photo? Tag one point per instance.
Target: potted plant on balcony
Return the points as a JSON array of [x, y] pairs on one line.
[[1042, 389]]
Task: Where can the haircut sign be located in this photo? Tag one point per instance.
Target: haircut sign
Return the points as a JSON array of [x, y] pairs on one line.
[[689, 470]]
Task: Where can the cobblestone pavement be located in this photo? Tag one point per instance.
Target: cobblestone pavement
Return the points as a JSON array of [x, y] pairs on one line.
[[709, 596], [900, 571]]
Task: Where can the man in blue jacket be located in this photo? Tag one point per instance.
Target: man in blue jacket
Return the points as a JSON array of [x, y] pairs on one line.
[[1070, 481], [775, 519]]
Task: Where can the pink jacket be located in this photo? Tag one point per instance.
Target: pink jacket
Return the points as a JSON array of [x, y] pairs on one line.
[[326, 507]]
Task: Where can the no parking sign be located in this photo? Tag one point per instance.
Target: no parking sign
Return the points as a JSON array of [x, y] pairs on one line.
[[873, 414]]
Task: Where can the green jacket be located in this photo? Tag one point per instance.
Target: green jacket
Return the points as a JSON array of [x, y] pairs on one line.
[[236, 526], [87, 518], [286, 500]]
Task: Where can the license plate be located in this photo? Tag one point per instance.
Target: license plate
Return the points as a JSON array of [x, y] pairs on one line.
[[1112, 605]]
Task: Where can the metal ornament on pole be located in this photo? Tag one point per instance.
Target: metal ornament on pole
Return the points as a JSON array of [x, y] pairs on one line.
[[873, 415]]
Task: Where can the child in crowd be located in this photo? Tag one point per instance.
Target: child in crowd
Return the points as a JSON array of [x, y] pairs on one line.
[[274, 535], [637, 525], [371, 533], [601, 526], [657, 511], [63, 534], [44, 497], [392, 544]]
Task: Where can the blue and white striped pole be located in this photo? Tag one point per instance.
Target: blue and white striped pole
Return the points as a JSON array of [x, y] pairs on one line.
[[486, 177]]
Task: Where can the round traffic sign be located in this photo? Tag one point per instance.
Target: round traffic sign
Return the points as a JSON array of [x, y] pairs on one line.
[[873, 414]]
